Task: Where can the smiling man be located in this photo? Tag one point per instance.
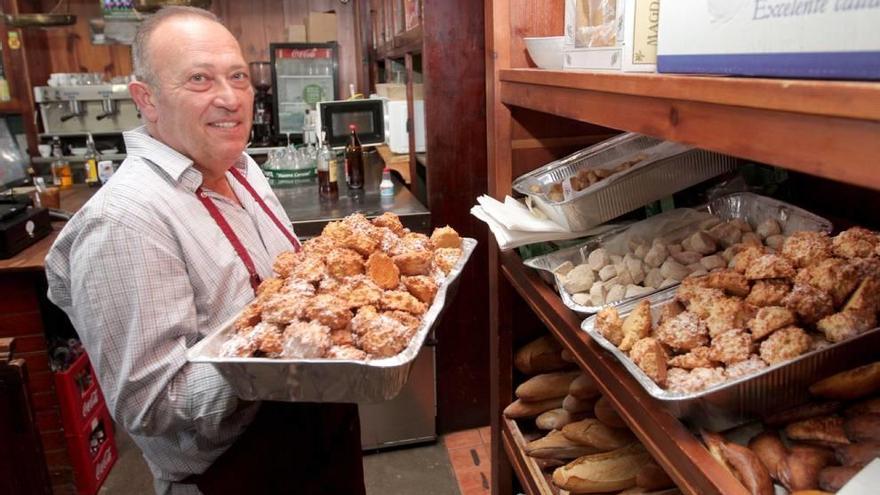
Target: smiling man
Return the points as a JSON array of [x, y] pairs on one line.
[[174, 245]]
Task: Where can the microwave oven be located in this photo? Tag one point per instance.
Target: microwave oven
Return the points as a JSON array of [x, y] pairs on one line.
[[335, 117]]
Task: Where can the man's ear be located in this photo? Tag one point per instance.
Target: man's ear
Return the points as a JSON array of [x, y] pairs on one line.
[[143, 96]]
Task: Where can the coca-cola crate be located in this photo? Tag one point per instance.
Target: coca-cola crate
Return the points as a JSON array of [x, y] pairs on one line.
[[92, 452], [78, 394]]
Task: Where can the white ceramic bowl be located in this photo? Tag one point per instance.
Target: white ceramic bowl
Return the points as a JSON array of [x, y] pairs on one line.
[[78, 151], [546, 52]]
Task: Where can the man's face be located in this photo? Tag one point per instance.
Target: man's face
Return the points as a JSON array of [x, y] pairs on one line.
[[204, 102]]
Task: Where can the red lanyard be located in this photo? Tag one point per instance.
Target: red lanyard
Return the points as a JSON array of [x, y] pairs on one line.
[[254, 277]]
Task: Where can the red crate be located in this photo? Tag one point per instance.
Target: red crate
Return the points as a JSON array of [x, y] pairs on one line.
[[91, 458], [78, 394]]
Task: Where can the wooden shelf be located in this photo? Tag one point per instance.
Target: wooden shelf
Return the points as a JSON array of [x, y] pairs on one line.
[[826, 128], [403, 43], [673, 446], [532, 479], [11, 106]]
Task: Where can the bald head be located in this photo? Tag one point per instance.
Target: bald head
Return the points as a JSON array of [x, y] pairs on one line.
[[141, 54]]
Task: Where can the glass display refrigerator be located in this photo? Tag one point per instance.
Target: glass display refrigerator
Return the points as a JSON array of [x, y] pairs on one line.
[[302, 75]]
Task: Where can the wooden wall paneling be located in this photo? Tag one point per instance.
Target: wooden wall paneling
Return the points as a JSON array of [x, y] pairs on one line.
[[71, 48], [533, 18], [455, 123]]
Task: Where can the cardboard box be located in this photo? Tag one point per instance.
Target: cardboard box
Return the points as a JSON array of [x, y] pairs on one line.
[[786, 38], [321, 27], [296, 33], [636, 48], [394, 91]]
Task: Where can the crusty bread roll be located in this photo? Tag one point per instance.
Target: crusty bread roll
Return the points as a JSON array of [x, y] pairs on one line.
[[772, 452], [802, 412], [713, 442], [833, 478], [825, 430], [858, 454], [555, 419], [867, 406], [748, 468], [574, 405], [848, 385], [522, 409], [606, 413], [541, 355], [602, 473], [583, 387], [652, 477], [594, 433], [546, 386], [555, 446], [802, 467], [863, 428]]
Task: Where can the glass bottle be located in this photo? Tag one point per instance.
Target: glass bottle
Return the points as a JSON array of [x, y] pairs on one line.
[[91, 164], [61, 174], [328, 185], [386, 187], [354, 160]]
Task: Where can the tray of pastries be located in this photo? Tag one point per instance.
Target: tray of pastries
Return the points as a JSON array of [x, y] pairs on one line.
[[748, 339], [616, 176], [344, 318], [659, 252]]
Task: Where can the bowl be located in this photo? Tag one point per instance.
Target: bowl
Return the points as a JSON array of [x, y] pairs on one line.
[[546, 52], [78, 151]]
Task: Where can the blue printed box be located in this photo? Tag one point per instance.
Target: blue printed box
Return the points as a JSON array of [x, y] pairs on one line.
[[820, 39]]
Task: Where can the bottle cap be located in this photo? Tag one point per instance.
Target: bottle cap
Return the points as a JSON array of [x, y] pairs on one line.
[[351, 127]]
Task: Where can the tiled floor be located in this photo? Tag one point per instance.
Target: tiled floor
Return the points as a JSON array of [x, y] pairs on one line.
[[457, 464]]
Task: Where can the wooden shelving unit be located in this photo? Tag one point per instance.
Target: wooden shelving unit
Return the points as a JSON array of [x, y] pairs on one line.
[[822, 128], [536, 483]]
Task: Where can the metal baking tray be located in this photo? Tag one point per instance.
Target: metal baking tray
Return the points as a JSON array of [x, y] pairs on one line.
[[739, 401], [326, 380], [666, 168], [750, 207]]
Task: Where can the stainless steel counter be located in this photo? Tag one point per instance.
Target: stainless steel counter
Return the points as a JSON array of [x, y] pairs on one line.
[[309, 213]]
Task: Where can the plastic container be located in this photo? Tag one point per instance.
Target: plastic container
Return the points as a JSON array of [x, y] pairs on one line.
[[92, 451], [78, 393]]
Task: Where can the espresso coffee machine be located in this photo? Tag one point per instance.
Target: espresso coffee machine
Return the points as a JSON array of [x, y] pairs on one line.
[[78, 109], [261, 78]]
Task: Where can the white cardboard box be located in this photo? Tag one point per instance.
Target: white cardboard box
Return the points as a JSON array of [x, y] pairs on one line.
[[636, 50], [784, 38]]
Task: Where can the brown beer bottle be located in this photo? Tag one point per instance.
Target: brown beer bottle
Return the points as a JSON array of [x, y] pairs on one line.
[[354, 161]]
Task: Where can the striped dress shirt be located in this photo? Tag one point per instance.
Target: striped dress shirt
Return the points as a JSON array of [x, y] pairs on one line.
[[144, 273]]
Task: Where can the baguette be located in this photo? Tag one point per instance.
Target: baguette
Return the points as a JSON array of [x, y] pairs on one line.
[[575, 405], [606, 413], [748, 468], [863, 428], [652, 477], [546, 386], [555, 419], [858, 454], [849, 385], [802, 467], [833, 478], [522, 409], [567, 356], [593, 433], [602, 473], [540, 356], [825, 430], [555, 446], [771, 451], [583, 387], [802, 412], [867, 406], [713, 443]]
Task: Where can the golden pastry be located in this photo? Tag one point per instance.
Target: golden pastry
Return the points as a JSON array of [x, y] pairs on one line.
[[855, 242], [769, 292], [770, 319], [684, 331], [404, 301], [731, 346], [610, 326], [730, 281], [391, 222], [328, 310], [636, 325], [846, 324], [445, 237], [804, 248], [424, 288], [809, 303], [649, 355], [414, 262], [785, 344], [382, 271], [698, 357], [344, 262], [446, 258], [832, 275], [770, 266]]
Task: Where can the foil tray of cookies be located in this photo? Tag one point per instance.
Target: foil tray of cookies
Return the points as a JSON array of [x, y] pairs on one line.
[[747, 340], [344, 318], [616, 176], [659, 252]]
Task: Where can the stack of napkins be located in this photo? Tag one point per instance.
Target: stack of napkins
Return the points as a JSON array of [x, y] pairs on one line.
[[515, 224]]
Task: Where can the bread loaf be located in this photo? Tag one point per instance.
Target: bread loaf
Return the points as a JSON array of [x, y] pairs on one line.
[[555, 446], [522, 409], [802, 412], [574, 405], [863, 428], [825, 430], [605, 472], [542, 355], [748, 468], [546, 386], [834, 477], [606, 413], [652, 477], [593, 433], [583, 387], [713, 443], [867, 406], [848, 385], [637, 490], [858, 454], [802, 467], [555, 419], [771, 451], [810, 492], [567, 356]]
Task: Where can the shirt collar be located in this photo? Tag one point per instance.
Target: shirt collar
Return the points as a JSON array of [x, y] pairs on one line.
[[139, 143]]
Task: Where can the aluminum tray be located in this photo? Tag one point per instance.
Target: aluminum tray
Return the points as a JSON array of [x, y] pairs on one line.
[[667, 168], [325, 380], [739, 401], [750, 207]]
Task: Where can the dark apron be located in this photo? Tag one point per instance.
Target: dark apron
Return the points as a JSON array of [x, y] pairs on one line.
[[301, 448]]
